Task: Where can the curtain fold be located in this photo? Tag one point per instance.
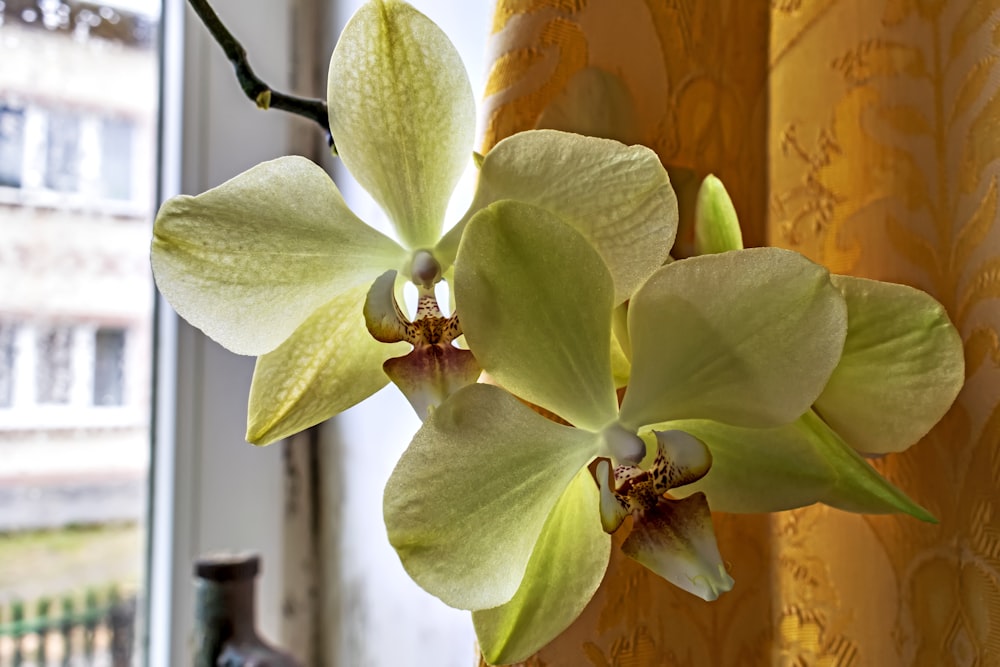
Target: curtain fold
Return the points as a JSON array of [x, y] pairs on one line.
[[865, 134]]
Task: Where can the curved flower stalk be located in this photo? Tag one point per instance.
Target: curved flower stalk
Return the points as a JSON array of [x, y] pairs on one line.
[[901, 369], [274, 264], [494, 508]]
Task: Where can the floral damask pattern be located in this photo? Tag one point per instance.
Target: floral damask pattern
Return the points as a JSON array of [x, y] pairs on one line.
[[890, 172], [866, 134], [693, 72]]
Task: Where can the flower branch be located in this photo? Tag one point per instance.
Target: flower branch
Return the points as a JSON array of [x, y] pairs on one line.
[[253, 86]]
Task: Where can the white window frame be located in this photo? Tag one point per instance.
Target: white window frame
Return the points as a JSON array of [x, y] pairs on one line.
[[211, 491]]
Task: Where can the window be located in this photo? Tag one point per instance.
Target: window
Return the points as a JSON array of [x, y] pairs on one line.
[[8, 331], [116, 158], [78, 103], [62, 154], [54, 372], [60, 374], [11, 145], [109, 367], [68, 150]]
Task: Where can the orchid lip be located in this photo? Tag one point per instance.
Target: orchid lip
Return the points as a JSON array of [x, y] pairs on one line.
[[710, 588], [387, 323]]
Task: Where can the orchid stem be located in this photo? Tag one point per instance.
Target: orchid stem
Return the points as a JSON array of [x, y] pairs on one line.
[[253, 86]]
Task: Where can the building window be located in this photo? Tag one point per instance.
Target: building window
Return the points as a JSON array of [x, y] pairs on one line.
[[116, 158], [8, 333], [11, 145], [62, 155], [68, 150], [109, 367], [54, 370]]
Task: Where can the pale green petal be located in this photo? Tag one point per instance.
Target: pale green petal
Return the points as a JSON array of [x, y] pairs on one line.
[[619, 197], [747, 337], [614, 510], [565, 569], [716, 227], [619, 327], [675, 539], [858, 487], [535, 303], [902, 367], [681, 458], [383, 316], [759, 470], [621, 367], [402, 114], [768, 470], [468, 499], [247, 262], [621, 347], [330, 363]]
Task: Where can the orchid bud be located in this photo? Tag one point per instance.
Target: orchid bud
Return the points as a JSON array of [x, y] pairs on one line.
[[716, 227]]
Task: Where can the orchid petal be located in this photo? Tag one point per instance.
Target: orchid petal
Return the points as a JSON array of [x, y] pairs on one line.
[[681, 459], [716, 227], [759, 470], [798, 464], [903, 365], [619, 327], [383, 316], [247, 262], [327, 365], [621, 367], [564, 571], [614, 509], [748, 337], [535, 301], [469, 498], [618, 197], [675, 539], [621, 350], [858, 487], [402, 114]]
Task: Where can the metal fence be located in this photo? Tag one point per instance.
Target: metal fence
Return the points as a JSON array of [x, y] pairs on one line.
[[95, 631]]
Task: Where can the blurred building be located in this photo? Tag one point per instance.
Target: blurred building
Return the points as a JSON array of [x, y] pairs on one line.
[[78, 91]]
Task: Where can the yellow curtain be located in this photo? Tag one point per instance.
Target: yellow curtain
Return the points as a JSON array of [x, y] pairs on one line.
[[865, 134]]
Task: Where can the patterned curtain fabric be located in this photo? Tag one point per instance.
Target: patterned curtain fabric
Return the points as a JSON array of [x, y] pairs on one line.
[[865, 134]]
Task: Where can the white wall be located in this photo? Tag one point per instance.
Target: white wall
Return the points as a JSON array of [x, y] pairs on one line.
[[380, 617]]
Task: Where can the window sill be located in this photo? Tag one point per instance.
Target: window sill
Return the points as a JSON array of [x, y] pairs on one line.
[[51, 199], [70, 417]]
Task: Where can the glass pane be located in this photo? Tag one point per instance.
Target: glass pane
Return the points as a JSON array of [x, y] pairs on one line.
[[11, 145], [53, 366], [109, 367], [62, 151], [7, 333], [116, 158], [78, 106]]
